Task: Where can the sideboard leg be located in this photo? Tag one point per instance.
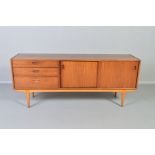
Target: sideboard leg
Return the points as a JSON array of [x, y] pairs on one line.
[[28, 98], [122, 98], [115, 94], [33, 94]]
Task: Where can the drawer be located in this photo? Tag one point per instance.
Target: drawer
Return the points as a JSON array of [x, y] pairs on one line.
[[36, 71], [35, 63], [36, 83]]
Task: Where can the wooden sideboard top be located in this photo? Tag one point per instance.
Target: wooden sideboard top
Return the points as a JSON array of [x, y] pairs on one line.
[[81, 57]]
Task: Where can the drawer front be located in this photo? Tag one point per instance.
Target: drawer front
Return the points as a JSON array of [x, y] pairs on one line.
[[36, 83], [35, 63], [36, 71]]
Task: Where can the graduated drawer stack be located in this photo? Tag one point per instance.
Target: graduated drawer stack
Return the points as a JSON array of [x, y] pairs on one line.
[[35, 74]]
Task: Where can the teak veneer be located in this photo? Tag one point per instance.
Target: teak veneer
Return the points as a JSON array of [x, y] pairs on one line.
[[75, 73]]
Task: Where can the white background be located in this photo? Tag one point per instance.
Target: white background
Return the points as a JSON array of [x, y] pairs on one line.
[[80, 12]]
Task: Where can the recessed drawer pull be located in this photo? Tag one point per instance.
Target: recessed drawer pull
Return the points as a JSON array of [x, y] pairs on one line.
[[35, 71], [35, 62]]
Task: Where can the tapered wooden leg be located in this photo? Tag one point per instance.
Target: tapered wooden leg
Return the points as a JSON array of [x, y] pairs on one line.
[[33, 94], [115, 94], [28, 98], [122, 98]]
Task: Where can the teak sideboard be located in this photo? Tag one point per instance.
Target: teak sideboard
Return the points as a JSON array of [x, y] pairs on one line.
[[75, 73]]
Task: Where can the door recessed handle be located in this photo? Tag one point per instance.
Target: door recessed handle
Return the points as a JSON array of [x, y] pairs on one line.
[[62, 66], [135, 68]]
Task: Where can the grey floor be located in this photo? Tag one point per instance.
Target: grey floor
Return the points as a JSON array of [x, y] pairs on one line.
[[77, 110]]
